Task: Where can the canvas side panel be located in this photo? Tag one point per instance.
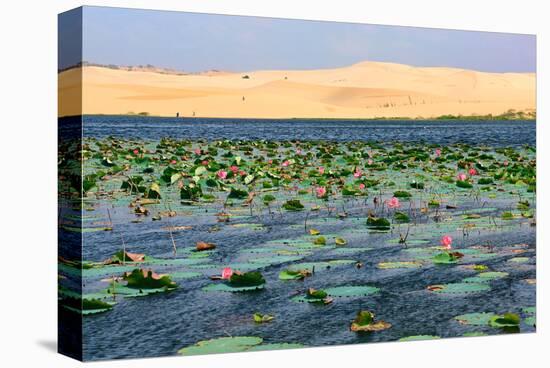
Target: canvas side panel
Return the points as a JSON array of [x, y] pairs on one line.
[[70, 183]]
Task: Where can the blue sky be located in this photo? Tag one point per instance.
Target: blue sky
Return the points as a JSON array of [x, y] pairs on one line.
[[196, 42]]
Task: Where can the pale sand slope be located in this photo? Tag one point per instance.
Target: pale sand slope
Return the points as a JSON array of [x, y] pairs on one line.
[[364, 90]]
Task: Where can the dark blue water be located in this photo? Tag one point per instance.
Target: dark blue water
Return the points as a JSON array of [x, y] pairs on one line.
[[492, 133], [162, 324]]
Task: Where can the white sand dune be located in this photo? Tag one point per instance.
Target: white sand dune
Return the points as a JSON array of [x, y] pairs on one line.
[[363, 90]]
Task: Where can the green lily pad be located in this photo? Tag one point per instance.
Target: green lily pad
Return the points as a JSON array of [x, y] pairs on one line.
[[475, 319], [184, 275], [486, 277], [128, 292], [351, 291], [474, 334], [506, 320], [400, 264], [320, 266], [401, 217], [378, 223], [419, 338], [402, 194], [291, 275], [275, 346], [293, 205], [530, 321], [445, 258], [222, 345], [339, 292], [262, 318], [231, 289], [460, 288], [519, 260], [276, 259], [348, 251]]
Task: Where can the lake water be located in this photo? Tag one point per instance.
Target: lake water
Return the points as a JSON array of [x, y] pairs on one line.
[[162, 324], [492, 133]]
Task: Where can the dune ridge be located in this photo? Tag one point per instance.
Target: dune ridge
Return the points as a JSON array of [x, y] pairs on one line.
[[363, 90]]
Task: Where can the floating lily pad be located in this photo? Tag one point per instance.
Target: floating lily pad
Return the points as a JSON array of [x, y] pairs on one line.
[[320, 266], [275, 346], [340, 241], [419, 338], [276, 259], [293, 205], [351, 291], [378, 223], [519, 260], [173, 261], [244, 266], [348, 251], [231, 289], [184, 275], [530, 321], [400, 264], [445, 258], [475, 319], [365, 322], [460, 288], [127, 292], [486, 277], [410, 241], [222, 345], [474, 334], [262, 318], [292, 275], [86, 306], [506, 320]]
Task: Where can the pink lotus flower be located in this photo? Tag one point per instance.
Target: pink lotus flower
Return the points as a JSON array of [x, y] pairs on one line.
[[298, 151], [242, 173], [321, 170], [370, 162], [197, 151], [136, 152], [357, 174], [461, 177], [222, 174], [270, 162], [234, 169], [437, 152], [472, 171], [286, 163], [446, 241], [505, 163], [393, 203], [321, 191], [173, 162], [361, 186], [226, 273]]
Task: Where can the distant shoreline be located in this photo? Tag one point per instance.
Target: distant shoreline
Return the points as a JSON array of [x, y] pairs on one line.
[[441, 118]]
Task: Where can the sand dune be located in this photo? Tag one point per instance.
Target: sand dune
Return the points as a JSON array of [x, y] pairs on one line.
[[364, 90]]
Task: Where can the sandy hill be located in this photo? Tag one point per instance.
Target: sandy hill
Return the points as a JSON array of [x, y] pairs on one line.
[[363, 90]]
